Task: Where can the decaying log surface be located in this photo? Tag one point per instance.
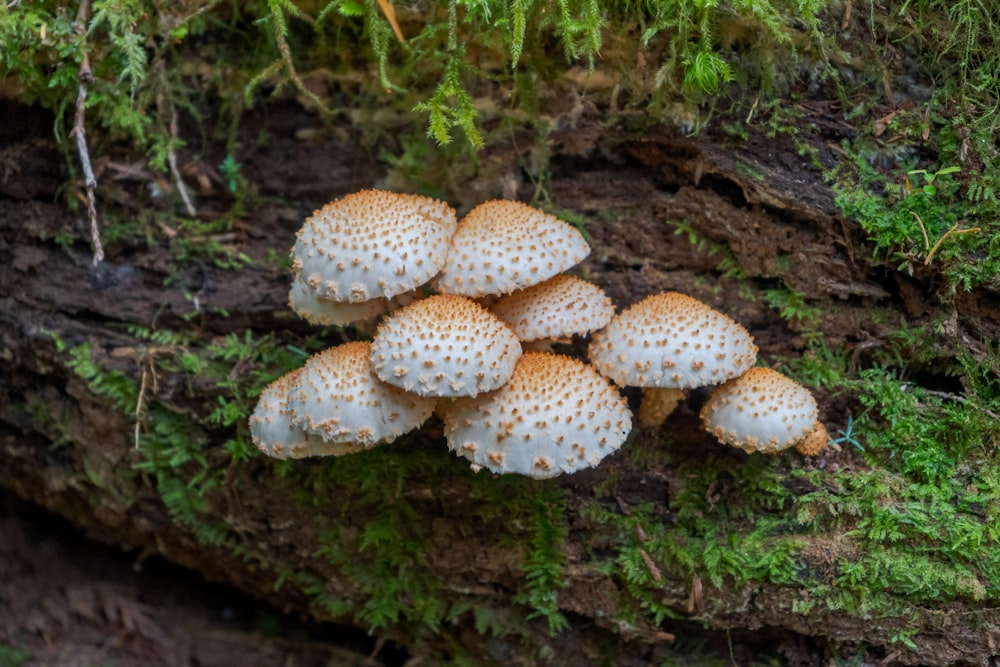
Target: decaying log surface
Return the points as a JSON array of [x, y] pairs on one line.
[[72, 451]]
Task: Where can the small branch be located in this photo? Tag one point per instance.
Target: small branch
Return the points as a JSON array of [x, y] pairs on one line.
[[927, 241], [165, 105], [172, 161], [84, 77], [651, 566], [138, 408], [846, 20], [961, 399], [954, 231]]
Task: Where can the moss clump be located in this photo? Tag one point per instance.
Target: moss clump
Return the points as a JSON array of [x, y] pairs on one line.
[[436, 61]]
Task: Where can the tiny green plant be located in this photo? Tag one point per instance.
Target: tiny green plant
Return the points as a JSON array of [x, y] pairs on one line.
[[929, 177], [847, 435], [230, 170]]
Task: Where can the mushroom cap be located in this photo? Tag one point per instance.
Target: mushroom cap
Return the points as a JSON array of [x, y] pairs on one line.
[[320, 311], [555, 415], [760, 411], [814, 442], [444, 345], [326, 312], [672, 340], [503, 245], [272, 430], [559, 307], [373, 244], [339, 399]]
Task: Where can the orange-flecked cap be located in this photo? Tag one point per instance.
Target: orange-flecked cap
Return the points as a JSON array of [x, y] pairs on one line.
[[672, 340], [559, 307], [504, 245], [444, 345], [815, 441], [325, 312], [760, 411], [273, 432], [556, 415], [373, 244], [339, 399]]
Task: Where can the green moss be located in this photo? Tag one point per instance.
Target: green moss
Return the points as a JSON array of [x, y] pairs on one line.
[[909, 522], [543, 570], [14, 655], [177, 449], [927, 207], [448, 55]]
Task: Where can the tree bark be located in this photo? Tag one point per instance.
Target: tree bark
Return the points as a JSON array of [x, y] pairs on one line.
[[464, 542]]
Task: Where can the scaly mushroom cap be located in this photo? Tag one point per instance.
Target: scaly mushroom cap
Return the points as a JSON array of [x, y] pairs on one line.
[[373, 244], [815, 441], [555, 415], [273, 432], [504, 245], [760, 411], [319, 311], [324, 312], [339, 399], [444, 345], [672, 340], [557, 308]]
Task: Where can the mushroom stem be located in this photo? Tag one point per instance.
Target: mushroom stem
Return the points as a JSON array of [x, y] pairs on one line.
[[657, 404]]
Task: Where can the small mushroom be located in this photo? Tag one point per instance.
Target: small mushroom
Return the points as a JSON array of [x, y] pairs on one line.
[[340, 399], [555, 415], [444, 345], [760, 411], [373, 244], [555, 309], [274, 433], [319, 311], [815, 441], [673, 342], [503, 245]]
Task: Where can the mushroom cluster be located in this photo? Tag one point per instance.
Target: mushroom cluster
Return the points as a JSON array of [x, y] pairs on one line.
[[474, 351]]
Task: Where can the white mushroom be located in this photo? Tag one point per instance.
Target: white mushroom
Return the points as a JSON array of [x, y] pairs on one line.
[[307, 303], [373, 244], [273, 432], [339, 399], [444, 345], [557, 308], [760, 411], [503, 245], [555, 415], [670, 342]]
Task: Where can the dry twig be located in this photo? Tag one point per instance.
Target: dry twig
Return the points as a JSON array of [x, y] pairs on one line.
[[84, 77], [172, 161], [954, 231], [927, 241]]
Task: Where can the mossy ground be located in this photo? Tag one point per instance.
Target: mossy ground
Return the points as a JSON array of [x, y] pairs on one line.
[[897, 524]]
